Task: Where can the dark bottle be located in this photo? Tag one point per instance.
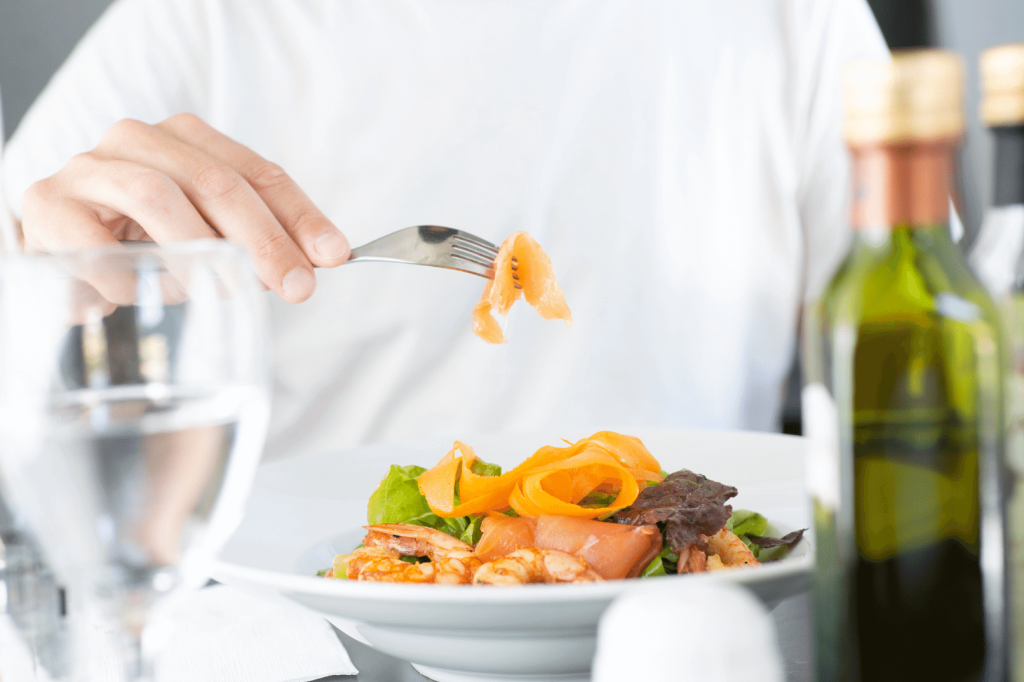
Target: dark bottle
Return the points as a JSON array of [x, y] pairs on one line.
[[998, 259], [903, 400]]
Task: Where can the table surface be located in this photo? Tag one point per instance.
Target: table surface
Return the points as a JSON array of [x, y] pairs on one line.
[[792, 620]]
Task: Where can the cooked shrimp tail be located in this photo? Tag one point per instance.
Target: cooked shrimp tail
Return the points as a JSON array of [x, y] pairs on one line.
[[410, 540], [732, 551], [692, 560], [535, 566], [452, 561]]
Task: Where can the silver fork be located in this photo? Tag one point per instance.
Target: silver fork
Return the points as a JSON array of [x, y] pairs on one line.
[[439, 247]]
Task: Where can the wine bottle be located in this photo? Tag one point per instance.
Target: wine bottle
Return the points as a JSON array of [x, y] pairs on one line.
[[998, 259], [903, 401]]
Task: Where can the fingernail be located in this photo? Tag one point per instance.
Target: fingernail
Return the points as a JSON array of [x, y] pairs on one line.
[[298, 284], [331, 245]]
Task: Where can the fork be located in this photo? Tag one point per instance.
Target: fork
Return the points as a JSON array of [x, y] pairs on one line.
[[439, 247]]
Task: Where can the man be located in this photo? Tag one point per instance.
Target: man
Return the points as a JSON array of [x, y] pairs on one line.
[[681, 162]]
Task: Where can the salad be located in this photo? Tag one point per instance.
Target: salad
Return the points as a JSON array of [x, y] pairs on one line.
[[598, 509]]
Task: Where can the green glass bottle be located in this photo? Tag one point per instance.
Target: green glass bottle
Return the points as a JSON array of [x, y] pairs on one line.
[[903, 402]]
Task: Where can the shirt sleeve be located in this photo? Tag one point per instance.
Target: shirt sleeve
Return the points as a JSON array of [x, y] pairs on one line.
[[143, 59], [828, 35]]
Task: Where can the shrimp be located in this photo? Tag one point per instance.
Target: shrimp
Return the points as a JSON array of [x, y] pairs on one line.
[[721, 550], [692, 560], [381, 565], [368, 559], [452, 562], [535, 566], [352, 564], [731, 550], [411, 540]]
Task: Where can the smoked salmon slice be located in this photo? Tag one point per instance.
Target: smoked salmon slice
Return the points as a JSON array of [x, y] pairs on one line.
[[521, 268], [611, 549], [503, 535], [615, 551]]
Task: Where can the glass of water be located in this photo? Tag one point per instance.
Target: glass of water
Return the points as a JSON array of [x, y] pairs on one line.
[[133, 410]]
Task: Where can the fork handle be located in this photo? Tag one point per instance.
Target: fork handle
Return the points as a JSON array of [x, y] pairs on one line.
[[407, 242]]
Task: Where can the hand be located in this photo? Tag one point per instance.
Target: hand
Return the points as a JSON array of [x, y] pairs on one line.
[[178, 180]]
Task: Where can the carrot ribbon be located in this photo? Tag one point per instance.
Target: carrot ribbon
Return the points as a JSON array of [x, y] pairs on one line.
[[551, 481]]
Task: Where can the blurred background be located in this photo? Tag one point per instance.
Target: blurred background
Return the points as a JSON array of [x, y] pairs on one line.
[[37, 35]]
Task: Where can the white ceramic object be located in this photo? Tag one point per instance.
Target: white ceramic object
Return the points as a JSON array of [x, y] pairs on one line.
[[303, 511], [715, 631]]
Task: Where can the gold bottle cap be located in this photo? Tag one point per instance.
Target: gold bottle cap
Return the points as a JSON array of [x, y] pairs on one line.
[[1002, 85], [916, 97]]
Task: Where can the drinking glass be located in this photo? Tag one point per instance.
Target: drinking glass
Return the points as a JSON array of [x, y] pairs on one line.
[[29, 593], [133, 409]]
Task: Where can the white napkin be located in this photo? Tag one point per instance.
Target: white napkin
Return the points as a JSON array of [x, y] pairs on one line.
[[218, 635], [16, 662], [692, 629], [224, 634]]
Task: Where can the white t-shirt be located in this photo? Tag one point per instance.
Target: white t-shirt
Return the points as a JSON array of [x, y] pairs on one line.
[[680, 161]]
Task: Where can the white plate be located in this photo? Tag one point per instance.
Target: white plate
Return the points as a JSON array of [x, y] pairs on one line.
[[303, 511]]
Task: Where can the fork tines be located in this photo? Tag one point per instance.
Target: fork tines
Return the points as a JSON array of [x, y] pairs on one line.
[[474, 246], [473, 249]]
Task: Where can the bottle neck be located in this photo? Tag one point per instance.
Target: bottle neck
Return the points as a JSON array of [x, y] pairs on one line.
[[902, 185], [1009, 175]]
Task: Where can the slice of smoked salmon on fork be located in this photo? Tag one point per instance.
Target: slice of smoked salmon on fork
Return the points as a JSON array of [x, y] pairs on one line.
[[520, 268]]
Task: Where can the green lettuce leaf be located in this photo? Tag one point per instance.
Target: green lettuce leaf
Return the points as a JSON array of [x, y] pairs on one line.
[[472, 533], [663, 564], [482, 468], [744, 522], [398, 500], [597, 499], [655, 568], [465, 528], [663, 475]]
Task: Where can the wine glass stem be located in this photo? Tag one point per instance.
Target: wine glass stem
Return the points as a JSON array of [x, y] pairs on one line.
[[138, 662], [144, 638]]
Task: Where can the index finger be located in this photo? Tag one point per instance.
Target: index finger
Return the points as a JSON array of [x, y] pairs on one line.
[[322, 243], [223, 198]]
